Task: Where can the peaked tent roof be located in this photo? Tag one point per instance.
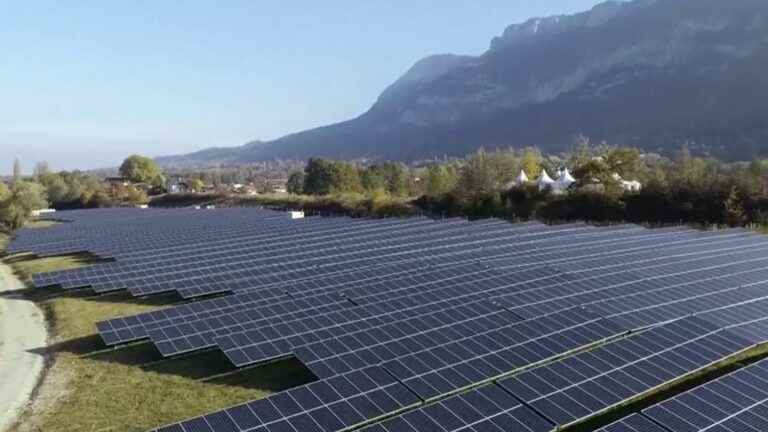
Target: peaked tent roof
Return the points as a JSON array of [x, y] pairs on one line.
[[545, 179], [566, 178]]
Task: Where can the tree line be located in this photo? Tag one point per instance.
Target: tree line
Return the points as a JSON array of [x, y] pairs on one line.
[[678, 189], [22, 195], [681, 189]]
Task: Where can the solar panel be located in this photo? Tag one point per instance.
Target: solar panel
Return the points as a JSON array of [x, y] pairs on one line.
[[478, 359], [485, 409], [415, 324], [583, 385], [324, 406], [735, 402], [119, 331]]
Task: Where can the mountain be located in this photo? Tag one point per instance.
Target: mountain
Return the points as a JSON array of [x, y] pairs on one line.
[[650, 73]]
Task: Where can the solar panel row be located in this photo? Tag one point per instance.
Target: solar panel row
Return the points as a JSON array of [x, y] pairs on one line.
[[737, 402], [420, 325], [122, 330]]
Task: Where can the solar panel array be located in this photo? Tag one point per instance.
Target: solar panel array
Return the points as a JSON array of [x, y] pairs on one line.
[[419, 324], [737, 402]]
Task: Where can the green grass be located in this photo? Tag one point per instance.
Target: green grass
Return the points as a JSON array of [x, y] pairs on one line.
[[91, 388], [26, 265]]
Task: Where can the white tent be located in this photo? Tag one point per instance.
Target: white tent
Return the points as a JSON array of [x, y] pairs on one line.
[[545, 181], [564, 181], [521, 178], [631, 186]]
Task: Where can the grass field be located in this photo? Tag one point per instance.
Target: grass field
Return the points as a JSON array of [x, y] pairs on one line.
[[90, 388]]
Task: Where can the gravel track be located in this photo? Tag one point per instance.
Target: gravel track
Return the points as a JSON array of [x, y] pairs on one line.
[[22, 332]]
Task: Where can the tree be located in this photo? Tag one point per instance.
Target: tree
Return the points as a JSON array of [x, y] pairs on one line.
[[478, 175], [19, 202], [122, 195], [345, 178], [322, 177], [295, 184], [372, 180], [625, 162], [140, 169], [505, 165], [597, 173], [389, 177], [317, 177], [56, 188], [440, 179], [735, 215], [396, 178], [196, 185], [531, 162]]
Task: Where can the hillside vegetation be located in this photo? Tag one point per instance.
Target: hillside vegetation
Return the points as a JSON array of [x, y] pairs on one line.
[[682, 189]]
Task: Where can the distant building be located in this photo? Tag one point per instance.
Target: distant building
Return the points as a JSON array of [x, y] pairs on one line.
[[40, 212], [628, 186], [178, 186], [117, 181], [563, 182]]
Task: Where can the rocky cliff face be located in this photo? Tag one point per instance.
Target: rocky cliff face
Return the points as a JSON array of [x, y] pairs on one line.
[[651, 73]]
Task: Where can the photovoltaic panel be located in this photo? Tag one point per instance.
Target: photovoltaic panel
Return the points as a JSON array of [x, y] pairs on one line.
[[585, 384], [737, 402], [432, 308], [328, 405], [457, 364], [486, 409], [295, 289], [120, 330], [162, 338]]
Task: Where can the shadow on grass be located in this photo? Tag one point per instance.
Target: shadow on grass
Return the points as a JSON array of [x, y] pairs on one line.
[[42, 294], [79, 258], [25, 265], [87, 294], [210, 366]]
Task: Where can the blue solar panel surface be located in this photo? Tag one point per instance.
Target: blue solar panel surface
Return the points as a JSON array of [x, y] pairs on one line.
[[450, 325]]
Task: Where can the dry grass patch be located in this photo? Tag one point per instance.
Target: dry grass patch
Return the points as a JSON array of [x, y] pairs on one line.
[[41, 224]]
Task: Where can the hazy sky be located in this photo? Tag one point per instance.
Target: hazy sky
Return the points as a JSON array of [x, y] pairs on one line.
[[85, 83]]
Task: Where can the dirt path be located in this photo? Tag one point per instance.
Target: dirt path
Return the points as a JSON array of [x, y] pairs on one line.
[[22, 329]]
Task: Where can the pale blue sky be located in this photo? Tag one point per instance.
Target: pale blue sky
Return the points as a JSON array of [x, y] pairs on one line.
[[85, 83]]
